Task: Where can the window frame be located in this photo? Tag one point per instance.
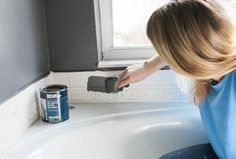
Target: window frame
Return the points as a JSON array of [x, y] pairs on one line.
[[108, 56], [108, 51]]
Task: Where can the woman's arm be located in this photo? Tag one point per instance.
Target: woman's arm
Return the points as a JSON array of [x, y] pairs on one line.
[[154, 63], [135, 73]]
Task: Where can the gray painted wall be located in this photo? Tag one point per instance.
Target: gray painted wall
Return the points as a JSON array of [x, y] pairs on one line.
[[71, 35], [23, 45]]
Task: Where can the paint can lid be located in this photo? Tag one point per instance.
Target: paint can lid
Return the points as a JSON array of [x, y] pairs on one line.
[[53, 88]]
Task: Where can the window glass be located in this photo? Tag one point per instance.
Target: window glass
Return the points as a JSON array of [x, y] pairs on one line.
[[230, 6], [129, 21]]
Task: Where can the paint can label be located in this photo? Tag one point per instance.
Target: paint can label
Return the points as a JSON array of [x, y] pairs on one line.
[[54, 105]]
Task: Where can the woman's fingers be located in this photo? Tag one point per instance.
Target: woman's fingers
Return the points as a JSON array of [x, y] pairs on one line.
[[123, 82], [124, 79], [130, 75]]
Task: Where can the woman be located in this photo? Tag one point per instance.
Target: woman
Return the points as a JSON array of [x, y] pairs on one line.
[[196, 38]]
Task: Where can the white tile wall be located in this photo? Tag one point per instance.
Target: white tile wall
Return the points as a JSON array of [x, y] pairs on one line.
[[18, 113], [160, 86]]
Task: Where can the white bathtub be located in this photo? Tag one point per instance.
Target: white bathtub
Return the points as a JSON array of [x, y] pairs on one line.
[[146, 132]]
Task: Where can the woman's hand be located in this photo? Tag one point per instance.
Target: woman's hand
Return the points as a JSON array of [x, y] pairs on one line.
[[132, 74], [138, 72]]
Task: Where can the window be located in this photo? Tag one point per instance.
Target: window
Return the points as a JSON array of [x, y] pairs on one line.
[[232, 8], [123, 27]]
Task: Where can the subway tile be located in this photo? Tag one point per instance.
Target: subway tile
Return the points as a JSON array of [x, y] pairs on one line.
[[60, 78]]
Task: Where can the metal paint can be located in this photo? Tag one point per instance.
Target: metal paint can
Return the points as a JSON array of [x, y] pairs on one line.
[[54, 103]]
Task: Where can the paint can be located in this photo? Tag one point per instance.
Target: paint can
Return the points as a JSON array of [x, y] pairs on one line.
[[54, 103]]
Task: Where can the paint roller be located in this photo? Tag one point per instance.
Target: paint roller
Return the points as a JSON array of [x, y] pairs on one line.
[[103, 84]]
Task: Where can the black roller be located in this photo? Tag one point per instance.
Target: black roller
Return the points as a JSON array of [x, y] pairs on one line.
[[103, 84]]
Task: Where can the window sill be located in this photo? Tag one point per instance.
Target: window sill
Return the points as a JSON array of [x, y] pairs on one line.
[[118, 63]]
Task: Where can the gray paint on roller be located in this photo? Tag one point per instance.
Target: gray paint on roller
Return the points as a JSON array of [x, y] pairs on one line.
[[97, 84], [103, 84], [71, 35], [23, 45]]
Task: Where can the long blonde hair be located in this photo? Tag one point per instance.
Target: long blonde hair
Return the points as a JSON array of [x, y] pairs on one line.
[[195, 37]]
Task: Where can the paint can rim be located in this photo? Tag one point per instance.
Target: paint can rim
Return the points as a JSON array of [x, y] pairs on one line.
[[60, 86]]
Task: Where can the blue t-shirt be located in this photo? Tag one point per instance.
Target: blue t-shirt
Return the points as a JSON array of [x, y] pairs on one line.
[[218, 112]]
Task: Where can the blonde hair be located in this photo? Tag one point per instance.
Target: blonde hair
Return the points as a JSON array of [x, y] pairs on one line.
[[195, 37]]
